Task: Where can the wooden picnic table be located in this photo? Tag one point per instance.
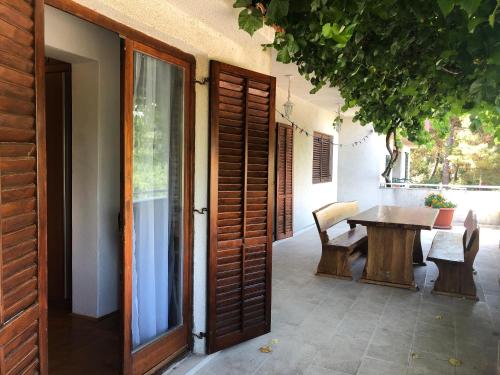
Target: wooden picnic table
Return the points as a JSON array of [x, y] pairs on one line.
[[394, 243]]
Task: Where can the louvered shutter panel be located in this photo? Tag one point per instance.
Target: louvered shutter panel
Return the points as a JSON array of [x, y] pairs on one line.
[[322, 157], [241, 205], [316, 173], [22, 166], [326, 157], [284, 189]]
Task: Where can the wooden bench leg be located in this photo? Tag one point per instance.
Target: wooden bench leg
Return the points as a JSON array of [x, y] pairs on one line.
[[455, 279], [334, 263]]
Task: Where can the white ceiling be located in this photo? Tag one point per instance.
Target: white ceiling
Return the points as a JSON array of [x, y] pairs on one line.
[[328, 98], [221, 16]]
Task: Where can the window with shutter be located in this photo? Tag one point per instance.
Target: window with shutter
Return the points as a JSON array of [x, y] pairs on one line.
[[242, 105], [322, 158]]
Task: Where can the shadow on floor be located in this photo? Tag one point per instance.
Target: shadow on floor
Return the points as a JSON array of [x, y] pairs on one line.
[[329, 326]]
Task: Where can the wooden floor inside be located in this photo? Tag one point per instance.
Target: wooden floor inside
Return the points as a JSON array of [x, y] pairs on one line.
[[82, 346]]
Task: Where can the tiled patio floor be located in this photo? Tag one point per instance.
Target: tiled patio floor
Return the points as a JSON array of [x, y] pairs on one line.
[[336, 327]]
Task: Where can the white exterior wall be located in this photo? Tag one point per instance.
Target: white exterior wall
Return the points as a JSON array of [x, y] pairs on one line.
[[398, 170], [307, 196], [360, 166], [95, 57], [485, 203]]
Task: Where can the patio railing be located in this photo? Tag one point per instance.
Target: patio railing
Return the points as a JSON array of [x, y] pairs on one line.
[[410, 185], [485, 200]]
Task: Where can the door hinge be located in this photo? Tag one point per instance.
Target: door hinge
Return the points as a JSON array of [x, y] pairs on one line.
[[200, 335], [203, 81]]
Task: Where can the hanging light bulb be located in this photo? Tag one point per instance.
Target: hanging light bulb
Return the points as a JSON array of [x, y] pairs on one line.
[[288, 106]]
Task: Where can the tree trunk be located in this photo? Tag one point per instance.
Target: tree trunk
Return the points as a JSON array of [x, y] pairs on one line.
[[393, 153], [445, 176], [436, 165], [455, 174]]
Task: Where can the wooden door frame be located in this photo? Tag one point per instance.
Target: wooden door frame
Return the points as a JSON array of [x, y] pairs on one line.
[[153, 44], [65, 68], [41, 154], [138, 362]]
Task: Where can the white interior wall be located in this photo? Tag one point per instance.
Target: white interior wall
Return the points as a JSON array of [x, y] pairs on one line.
[[95, 57], [307, 196], [360, 166]]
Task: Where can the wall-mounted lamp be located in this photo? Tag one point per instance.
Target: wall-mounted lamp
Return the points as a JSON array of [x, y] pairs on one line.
[[337, 123], [288, 106]]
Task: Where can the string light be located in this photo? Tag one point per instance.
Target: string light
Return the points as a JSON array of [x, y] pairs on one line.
[[308, 134]]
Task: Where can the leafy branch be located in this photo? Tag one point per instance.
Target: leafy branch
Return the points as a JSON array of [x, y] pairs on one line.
[[397, 63]]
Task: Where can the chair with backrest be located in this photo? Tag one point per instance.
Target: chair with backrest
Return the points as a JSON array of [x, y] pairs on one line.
[[454, 255], [337, 253]]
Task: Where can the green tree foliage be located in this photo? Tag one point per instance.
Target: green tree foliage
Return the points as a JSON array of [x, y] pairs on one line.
[[397, 62], [473, 159]]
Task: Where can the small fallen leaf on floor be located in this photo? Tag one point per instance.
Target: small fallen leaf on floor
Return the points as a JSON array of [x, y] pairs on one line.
[[439, 317], [415, 356], [266, 349], [274, 341], [455, 362]]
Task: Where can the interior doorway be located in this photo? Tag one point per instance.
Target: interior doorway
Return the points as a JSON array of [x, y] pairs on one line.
[[82, 91], [96, 338]]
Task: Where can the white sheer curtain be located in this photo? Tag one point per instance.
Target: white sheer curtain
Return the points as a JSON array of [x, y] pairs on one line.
[[157, 172]]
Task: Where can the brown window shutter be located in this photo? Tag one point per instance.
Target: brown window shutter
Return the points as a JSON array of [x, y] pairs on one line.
[[322, 157], [284, 182], [326, 159], [22, 194], [317, 147], [242, 105]]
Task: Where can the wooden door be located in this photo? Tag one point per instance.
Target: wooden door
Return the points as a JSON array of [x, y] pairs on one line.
[[157, 195], [23, 304], [242, 142], [284, 182]]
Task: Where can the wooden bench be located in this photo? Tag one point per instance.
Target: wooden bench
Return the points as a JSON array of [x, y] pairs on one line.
[[339, 252], [454, 255]]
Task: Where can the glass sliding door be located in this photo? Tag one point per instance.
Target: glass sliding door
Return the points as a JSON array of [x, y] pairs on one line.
[[157, 198], [156, 245]]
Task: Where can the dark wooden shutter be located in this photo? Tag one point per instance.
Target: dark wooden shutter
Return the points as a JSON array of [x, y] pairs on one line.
[[317, 144], [242, 105], [322, 158], [326, 159], [22, 189], [284, 182]]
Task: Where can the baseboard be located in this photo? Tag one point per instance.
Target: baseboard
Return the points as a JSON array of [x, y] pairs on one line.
[[295, 234], [93, 318]]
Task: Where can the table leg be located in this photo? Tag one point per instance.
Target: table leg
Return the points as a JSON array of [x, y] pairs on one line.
[[418, 256], [390, 257]]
